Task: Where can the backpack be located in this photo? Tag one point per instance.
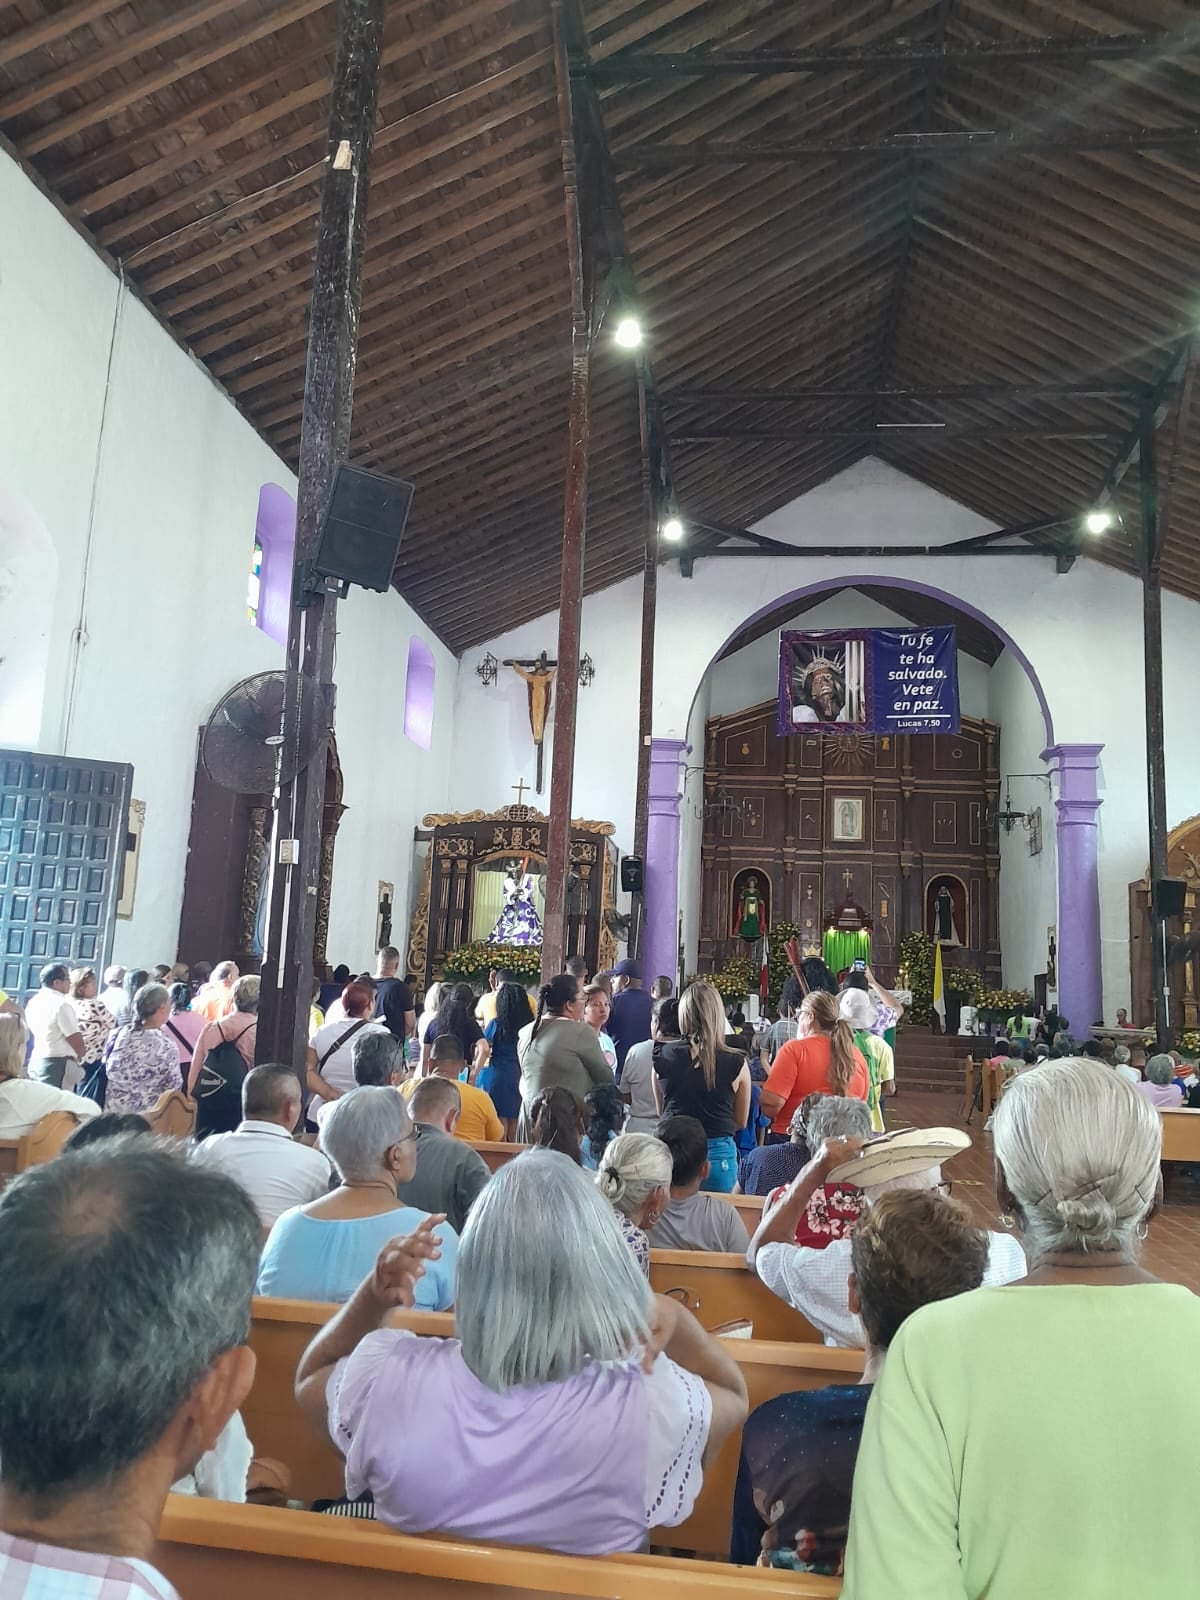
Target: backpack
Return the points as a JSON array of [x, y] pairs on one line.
[[218, 1091]]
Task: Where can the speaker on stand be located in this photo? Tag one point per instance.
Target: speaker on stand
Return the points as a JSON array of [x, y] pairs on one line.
[[632, 884], [1168, 897]]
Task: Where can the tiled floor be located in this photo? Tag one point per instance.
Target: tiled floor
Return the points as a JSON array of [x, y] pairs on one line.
[[1172, 1250]]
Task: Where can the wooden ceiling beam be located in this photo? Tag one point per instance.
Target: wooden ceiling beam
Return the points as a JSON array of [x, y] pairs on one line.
[[90, 65], [272, 298], [138, 87], [519, 319], [1105, 388], [930, 147], [914, 56], [50, 29], [511, 110], [402, 50], [71, 175]]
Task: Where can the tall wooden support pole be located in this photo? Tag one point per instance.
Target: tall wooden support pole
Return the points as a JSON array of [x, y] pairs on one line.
[[1156, 769], [570, 599], [641, 810], [324, 441]]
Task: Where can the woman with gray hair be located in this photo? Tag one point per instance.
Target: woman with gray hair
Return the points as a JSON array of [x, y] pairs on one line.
[[991, 1404], [575, 1410], [1160, 1087], [322, 1251], [141, 1064], [634, 1176]]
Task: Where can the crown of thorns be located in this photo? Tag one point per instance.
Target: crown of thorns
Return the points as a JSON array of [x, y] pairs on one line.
[[818, 664]]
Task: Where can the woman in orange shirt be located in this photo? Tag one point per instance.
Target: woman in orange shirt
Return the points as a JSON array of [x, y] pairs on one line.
[[821, 1059]]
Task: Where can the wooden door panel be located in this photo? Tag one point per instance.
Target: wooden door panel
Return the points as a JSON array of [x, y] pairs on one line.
[[62, 832]]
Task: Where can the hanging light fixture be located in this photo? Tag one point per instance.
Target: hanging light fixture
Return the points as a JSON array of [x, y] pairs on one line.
[[673, 529], [628, 333], [1099, 521], [487, 670]]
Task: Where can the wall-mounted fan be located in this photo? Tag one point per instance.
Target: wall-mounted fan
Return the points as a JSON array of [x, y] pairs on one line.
[[241, 742]]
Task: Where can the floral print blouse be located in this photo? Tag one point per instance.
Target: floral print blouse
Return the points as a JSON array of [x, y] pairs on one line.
[[142, 1064], [96, 1022]]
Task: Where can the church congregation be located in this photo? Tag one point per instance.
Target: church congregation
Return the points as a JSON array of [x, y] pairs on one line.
[[599, 799]]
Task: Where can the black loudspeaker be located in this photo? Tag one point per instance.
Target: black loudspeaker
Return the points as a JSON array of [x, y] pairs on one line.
[[1170, 895], [631, 874], [362, 528]]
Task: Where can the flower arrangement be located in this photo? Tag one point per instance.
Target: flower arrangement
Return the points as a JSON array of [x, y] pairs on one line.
[[918, 954], [470, 963], [1189, 1043], [1005, 1000]]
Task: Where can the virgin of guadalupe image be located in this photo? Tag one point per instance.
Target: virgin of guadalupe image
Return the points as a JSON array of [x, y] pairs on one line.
[[518, 922]]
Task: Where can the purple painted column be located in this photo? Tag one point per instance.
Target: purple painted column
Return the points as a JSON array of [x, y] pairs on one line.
[[660, 937], [1080, 987]]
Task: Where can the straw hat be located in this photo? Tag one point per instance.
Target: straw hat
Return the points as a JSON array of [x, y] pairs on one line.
[[897, 1155]]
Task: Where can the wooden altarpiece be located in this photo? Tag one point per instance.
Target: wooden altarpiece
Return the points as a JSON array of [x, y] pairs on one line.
[[462, 844]]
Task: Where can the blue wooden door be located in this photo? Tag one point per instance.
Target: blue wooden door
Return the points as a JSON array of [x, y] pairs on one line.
[[62, 843]]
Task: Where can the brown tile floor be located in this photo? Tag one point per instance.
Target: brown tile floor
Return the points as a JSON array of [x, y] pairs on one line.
[[1172, 1250]]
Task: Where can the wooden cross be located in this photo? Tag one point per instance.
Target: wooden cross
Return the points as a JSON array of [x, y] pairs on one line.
[[520, 788], [847, 879]]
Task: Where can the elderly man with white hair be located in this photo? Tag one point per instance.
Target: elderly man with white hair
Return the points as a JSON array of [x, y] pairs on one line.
[[816, 1282]]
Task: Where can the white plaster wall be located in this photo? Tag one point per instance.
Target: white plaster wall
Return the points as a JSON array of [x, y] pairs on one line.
[[493, 747], [751, 675], [160, 585], [1028, 884]]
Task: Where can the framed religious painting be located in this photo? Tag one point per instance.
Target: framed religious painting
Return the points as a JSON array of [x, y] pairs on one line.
[[847, 819]]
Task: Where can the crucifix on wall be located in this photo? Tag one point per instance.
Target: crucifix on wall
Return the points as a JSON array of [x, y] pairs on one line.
[[539, 676]]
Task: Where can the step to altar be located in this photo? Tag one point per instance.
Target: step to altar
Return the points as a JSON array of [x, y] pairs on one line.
[[926, 1060]]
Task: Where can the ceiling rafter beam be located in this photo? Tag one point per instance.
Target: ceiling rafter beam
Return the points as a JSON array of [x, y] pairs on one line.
[[903, 146], [1101, 388], [920, 433], [637, 66]]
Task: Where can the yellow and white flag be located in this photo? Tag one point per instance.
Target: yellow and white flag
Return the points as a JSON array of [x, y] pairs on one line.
[[939, 987]]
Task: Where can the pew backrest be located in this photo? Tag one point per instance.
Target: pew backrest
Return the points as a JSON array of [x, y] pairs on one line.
[[42, 1143], [1180, 1135], [209, 1548], [720, 1288], [174, 1114]]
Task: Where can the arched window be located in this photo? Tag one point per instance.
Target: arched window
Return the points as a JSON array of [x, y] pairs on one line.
[[269, 591], [418, 693]]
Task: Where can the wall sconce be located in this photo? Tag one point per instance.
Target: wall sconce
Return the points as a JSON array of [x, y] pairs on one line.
[[587, 671], [1008, 818], [487, 670]]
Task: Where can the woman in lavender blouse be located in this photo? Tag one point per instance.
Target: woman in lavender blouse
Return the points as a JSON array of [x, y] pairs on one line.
[[141, 1061], [574, 1410]]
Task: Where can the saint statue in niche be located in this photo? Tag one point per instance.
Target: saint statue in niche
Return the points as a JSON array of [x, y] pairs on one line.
[[750, 912], [944, 927], [539, 676], [518, 922]]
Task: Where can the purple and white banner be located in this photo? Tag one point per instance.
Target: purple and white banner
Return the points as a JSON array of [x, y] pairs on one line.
[[878, 680]]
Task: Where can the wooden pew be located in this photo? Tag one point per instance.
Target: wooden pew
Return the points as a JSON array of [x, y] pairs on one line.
[[720, 1288], [1181, 1135], [495, 1153], [42, 1143], [280, 1332], [282, 1329], [174, 1114], [207, 1548]]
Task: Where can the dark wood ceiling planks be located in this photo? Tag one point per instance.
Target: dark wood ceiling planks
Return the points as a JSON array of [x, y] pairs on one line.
[[187, 137]]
